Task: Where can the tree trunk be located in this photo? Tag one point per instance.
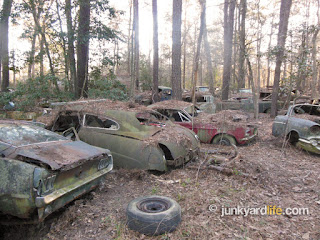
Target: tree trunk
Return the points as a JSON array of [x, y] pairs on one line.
[[242, 44], [132, 72], [176, 50], [71, 57], [41, 56], [136, 42], [314, 63], [0, 54], [229, 6], [4, 21], [269, 48], [256, 88], [81, 88], [235, 46], [196, 59], [208, 56], [41, 30], [31, 56], [250, 76], [314, 88], [200, 70], [184, 48], [13, 67], [129, 39], [282, 34], [64, 46], [194, 49], [155, 52]]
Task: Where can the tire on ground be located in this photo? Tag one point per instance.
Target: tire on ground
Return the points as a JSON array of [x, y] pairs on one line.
[[224, 139], [153, 215]]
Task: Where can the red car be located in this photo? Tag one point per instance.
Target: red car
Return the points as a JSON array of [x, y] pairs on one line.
[[226, 127]]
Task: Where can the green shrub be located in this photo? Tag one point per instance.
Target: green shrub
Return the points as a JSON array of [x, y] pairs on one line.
[[111, 89], [33, 92]]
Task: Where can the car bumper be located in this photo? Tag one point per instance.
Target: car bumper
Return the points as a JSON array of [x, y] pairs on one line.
[[250, 138], [308, 146], [59, 198]]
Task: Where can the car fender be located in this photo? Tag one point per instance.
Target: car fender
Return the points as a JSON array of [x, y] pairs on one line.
[[16, 187]]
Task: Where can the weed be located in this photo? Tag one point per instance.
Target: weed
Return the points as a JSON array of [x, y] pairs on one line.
[[154, 190], [180, 197]]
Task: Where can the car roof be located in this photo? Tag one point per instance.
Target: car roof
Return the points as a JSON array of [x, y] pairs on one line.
[[170, 104]]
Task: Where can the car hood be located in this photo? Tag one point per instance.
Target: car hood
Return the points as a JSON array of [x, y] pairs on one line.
[[62, 155]]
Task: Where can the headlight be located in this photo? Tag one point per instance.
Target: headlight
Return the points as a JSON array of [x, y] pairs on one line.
[[105, 162], [196, 136], [314, 142]]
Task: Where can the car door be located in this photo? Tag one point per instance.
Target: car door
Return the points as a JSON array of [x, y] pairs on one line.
[[105, 132]]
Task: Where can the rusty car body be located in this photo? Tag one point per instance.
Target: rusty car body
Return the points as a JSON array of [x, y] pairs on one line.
[[300, 125], [244, 104], [41, 171], [134, 144], [206, 129]]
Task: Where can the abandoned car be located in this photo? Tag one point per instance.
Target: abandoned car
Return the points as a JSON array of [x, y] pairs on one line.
[[134, 144], [244, 104], [210, 128], [300, 126], [42, 171]]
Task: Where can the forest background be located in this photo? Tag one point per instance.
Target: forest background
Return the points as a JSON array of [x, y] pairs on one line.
[[61, 49]]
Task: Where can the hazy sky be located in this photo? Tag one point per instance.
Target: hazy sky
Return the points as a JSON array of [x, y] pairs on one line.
[[164, 12]]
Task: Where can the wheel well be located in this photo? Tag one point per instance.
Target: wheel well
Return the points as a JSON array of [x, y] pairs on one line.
[[166, 151], [268, 110], [293, 137]]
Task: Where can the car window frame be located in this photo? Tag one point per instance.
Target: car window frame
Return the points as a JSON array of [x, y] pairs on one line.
[[103, 117], [184, 115]]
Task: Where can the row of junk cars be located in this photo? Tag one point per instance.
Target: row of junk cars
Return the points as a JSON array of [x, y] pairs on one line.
[[45, 164]]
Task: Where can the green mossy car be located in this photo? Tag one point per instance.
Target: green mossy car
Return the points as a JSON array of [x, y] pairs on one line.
[[41, 171], [134, 143]]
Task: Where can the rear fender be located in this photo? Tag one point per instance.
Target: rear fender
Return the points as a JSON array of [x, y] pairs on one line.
[[16, 188]]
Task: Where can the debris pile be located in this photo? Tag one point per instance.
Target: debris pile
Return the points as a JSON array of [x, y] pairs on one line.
[[171, 133], [230, 118], [171, 104]]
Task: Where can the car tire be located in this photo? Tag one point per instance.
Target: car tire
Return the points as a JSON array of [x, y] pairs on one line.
[[224, 139], [153, 215], [267, 111]]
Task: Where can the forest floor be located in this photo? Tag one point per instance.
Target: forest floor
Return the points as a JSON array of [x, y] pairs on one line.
[[285, 177]]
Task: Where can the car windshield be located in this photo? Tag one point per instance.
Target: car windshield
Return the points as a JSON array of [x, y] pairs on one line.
[[245, 90], [203, 89], [19, 134]]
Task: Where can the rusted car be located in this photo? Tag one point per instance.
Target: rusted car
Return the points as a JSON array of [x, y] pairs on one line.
[[210, 128], [41, 171], [244, 104], [133, 143], [300, 126]]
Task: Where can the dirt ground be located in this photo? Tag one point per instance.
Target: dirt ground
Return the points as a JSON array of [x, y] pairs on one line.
[[286, 177]]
